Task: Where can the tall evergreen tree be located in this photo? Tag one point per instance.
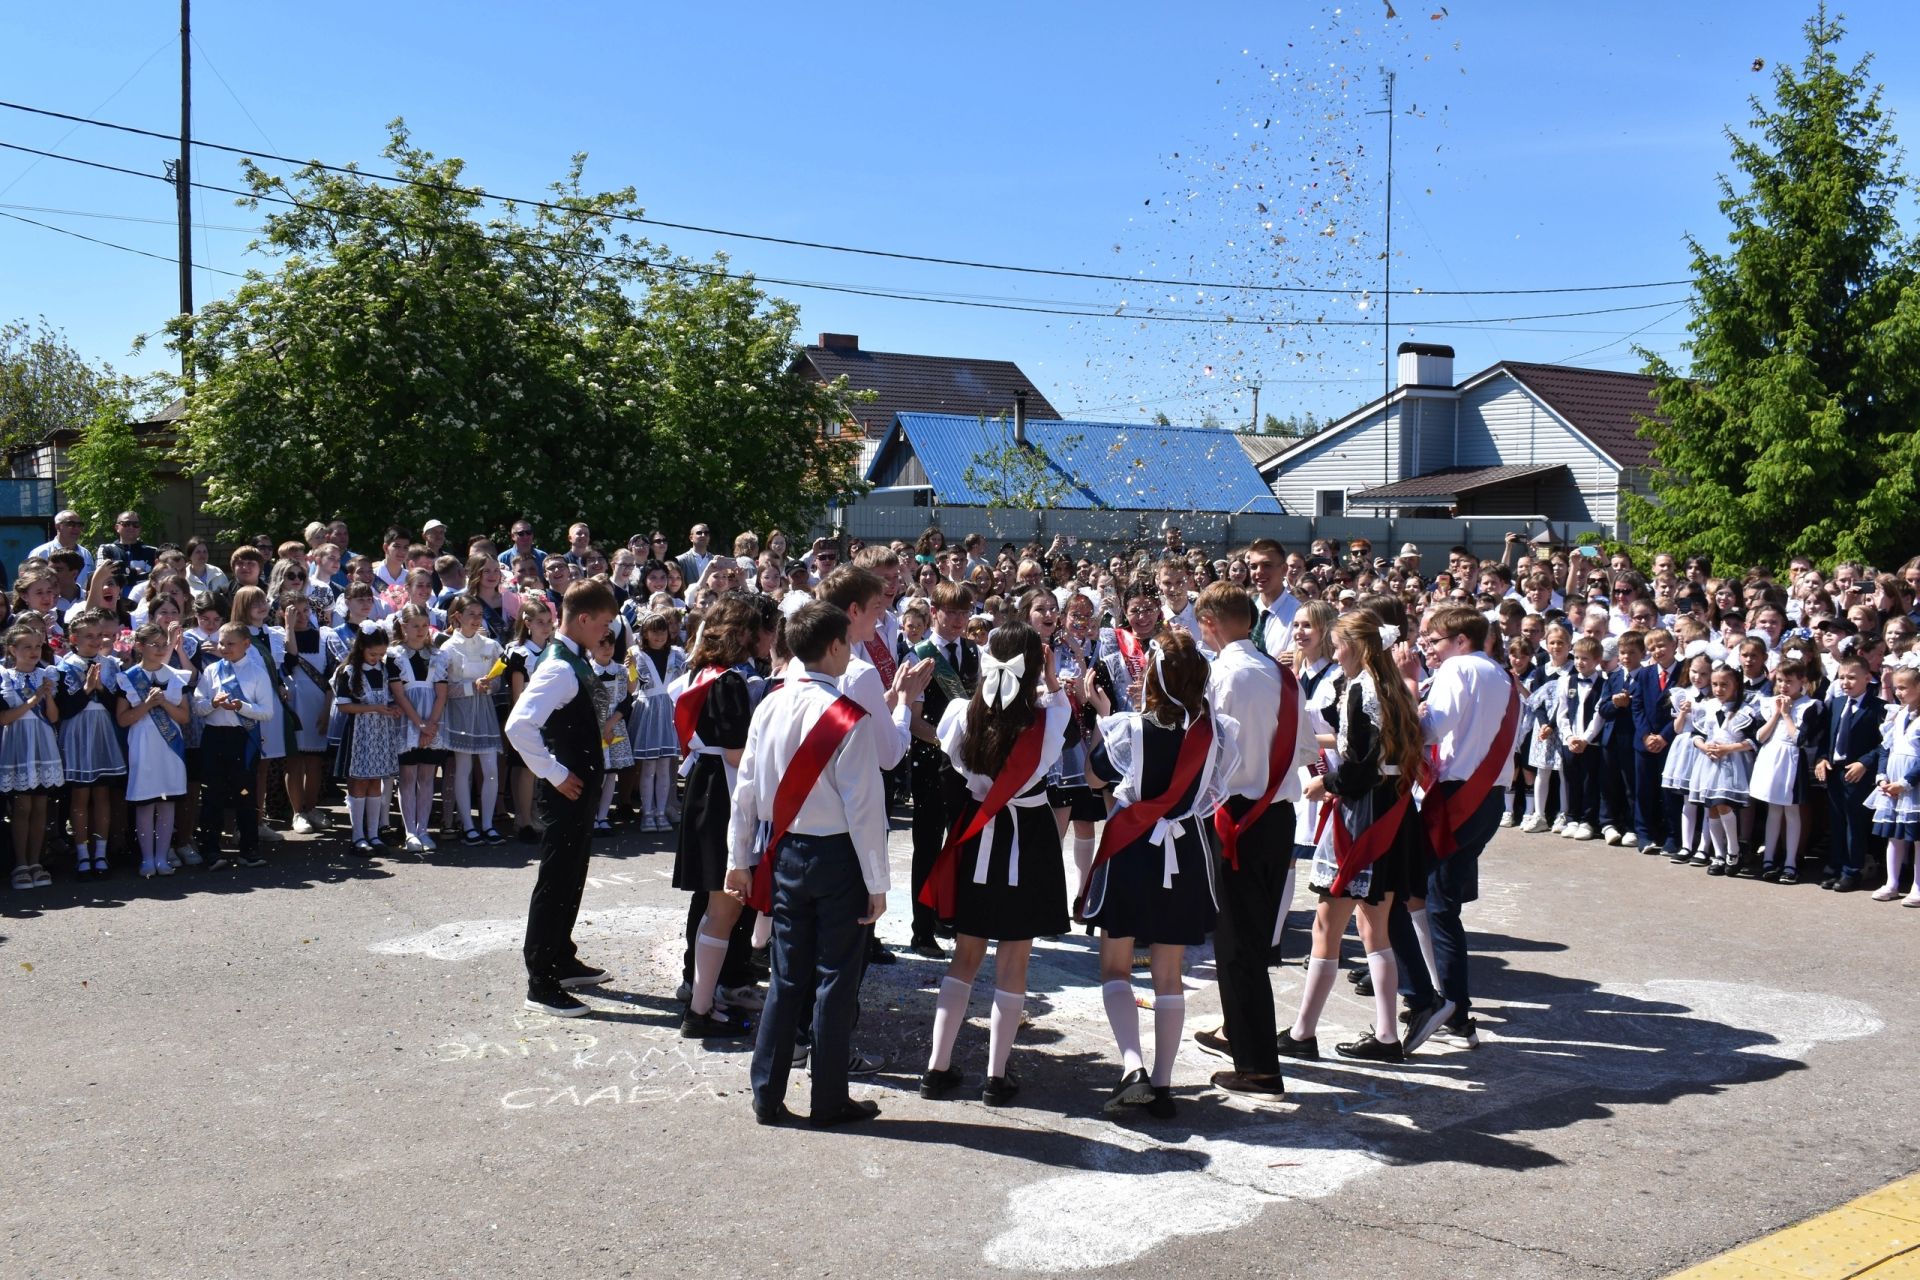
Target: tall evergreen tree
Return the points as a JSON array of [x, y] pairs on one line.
[[1795, 429]]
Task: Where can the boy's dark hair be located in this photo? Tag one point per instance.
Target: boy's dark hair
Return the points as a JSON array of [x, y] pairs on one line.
[[813, 628], [1791, 668], [67, 560]]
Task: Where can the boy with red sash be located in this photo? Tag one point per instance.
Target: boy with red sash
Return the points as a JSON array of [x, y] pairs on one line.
[[1253, 829], [808, 842], [1471, 714]]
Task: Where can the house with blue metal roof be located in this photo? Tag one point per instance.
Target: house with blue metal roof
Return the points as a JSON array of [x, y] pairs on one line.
[[1082, 466]]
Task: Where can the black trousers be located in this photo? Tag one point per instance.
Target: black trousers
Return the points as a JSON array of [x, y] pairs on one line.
[[563, 877], [1850, 836], [935, 803], [227, 778], [1582, 770], [819, 951], [1249, 903]]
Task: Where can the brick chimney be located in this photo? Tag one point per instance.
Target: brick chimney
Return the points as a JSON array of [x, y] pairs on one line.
[[840, 341]]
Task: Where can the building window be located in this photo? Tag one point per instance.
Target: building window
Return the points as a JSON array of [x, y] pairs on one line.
[[1329, 502]]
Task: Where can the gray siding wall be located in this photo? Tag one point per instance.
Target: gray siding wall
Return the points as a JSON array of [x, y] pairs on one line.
[[1350, 461], [1431, 425], [1502, 425]]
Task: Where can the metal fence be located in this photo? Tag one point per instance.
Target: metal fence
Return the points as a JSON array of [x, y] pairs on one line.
[[880, 517]]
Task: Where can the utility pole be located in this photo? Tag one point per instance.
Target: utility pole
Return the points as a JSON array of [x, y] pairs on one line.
[[1256, 408], [183, 177], [1386, 297]]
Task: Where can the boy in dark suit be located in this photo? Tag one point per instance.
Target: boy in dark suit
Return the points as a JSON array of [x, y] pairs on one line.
[[1849, 738], [1656, 811], [1583, 692], [937, 790]]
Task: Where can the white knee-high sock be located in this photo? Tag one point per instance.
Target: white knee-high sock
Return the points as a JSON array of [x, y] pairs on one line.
[[708, 955], [1896, 858], [1716, 840], [1313, 996], [459, 793], [143, 832], [162, 826], [949, 1014], [1386, 997], [423, 798], [762, 931], [1730, 835], [1123, 1015], [1689, 827], [407, 819], [1540, 782], [1169, 1019], [1792, 845], [1083, 851], [1770, 838], [1423, 929], [606, 795], [356, 815], [383, 811], [489, 789], [1002, 1026]]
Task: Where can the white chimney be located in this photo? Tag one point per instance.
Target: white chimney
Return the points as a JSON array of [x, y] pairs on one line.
[[1425, 364]]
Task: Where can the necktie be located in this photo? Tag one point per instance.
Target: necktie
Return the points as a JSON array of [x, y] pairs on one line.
[[953, 658], [1260, 631], [1663, 679]]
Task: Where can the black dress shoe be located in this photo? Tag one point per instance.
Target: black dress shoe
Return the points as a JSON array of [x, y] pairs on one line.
[[1134, 1090], [1252, 1085], [1771, 875], [1161, 1108], [850, 1112], [1847, 883], [999, 1091], [1214, 1042], [1370, 1048], [1829, 882], [576, 975], [774, 1115], [1363, 985], [1356, 976], [1717, 869], [930, 950], [880, 953], [938, 1083], [713, 1026], [1306, 1050]]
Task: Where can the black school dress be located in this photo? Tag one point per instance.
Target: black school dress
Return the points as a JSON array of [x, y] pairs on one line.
[[700, 860], [992, 905], [1131, 895], [1366, 795]]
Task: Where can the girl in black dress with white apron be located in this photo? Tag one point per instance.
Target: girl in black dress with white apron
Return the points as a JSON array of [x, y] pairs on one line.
[[1368, 844], [1006, 881], [1156, 889]]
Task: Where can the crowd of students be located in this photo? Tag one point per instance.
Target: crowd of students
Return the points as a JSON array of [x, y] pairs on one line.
[[1021, 701]]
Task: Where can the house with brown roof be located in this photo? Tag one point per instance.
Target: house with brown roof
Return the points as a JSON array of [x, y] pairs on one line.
[[919, 384], [1515, 439]]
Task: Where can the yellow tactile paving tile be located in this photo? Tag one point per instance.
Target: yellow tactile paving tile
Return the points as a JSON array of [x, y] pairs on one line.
[[1877, 1237]]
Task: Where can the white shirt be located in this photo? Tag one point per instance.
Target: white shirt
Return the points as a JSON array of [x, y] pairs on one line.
[[1185, 621], [1280, 614], [257, 699], [382, 576], [1574, 720], [1246, 686], [46, 549], [847, 797], [862, 683], [552, 686], [1465, 704]]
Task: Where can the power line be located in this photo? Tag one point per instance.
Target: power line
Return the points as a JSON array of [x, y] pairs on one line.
[[792, 242], [124, 248]]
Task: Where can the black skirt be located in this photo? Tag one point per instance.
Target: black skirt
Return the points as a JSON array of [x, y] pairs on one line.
[[1034, 908], [1407, 858], [700, 860], [1128, 898], [1081, 803]]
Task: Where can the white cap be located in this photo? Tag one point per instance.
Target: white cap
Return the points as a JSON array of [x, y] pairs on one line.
[[1408, 549], [431, 525]]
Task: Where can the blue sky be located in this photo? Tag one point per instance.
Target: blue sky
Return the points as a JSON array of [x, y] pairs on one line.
[[1538, 146]]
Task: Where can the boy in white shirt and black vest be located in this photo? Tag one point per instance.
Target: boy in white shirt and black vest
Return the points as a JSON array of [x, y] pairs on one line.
[[812, 759]]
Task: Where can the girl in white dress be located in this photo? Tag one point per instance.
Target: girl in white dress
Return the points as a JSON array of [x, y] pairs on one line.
[[1677, 773], [613, 734], [371, 733], [1543, 706], [1896, 797], [657, 663], [89, 743], [474, 667], [1779, 772], [310, 657], [423, 702], [1723, 731], [30, 768], [153, 711]]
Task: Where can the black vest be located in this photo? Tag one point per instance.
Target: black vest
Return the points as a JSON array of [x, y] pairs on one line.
[[572, 733]]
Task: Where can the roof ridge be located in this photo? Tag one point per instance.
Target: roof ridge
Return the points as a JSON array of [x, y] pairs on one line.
[[1223, 432]]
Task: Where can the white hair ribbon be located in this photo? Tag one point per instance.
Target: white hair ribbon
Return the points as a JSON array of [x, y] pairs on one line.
[[1389, 635], [1159, 670], [369, 627], [1000, 681]]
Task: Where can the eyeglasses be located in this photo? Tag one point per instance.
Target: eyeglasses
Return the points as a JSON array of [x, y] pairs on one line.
[[131, 524], [659, 542], [523, 533]]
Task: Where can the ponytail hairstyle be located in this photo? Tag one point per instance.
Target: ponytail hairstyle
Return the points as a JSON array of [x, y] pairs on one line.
[[367, 636], [1176, 680], [992, 731], [530, 604], [1401, 741], [411, 613]]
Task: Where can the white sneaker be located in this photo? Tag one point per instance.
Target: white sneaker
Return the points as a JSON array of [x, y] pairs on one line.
[[302, 827], [431, 845], [161, 867], [1610, 834], [1559, 823], [146, 866], [1628, 840], [1885, 893], [413, 845], [1534, 825], [269, 835], [1587, 832], [170, 856], [188, 855], [1911, 900], [1506, 818], [1571, 831]]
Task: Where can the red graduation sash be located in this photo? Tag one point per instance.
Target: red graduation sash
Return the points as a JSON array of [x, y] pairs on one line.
[[1279, 762], [1133, 821], [1354, 856], [882, 658], [1441, 814], [797, 783], [1022, 762], [688, 706]]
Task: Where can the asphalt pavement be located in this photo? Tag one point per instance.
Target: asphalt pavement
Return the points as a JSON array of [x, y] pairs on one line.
[[321, 1068]]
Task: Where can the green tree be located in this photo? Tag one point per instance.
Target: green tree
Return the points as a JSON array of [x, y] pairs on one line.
[[108, 471], [1793, 431], [1018, 475], [1295, 426], [45, 385], [416, 354]]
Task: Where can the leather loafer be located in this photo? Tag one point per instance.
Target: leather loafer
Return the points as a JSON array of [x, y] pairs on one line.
[[1241, 1082], [852, 1111], [1134, 1090], [775, 1115], [940, 1083], [1214, 1042]]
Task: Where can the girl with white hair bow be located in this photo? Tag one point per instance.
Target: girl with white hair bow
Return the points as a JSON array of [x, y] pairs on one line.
[[1000, 876]]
